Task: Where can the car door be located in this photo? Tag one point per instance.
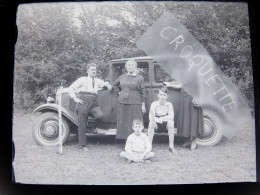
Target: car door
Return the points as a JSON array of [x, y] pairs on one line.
[[158, 77]]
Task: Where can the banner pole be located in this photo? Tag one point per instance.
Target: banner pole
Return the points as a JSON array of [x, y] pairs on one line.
[[60, 121]]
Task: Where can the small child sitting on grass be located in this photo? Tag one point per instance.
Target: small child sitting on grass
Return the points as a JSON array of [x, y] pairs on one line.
[[138, 147], [161, 118]]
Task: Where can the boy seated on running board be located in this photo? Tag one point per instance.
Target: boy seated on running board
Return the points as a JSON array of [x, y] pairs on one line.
[[138, 147], [161, 118]]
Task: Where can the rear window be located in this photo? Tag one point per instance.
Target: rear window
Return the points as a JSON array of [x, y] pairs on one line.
[[160, 75]]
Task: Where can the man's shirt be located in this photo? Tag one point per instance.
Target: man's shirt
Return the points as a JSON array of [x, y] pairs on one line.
[[85, 84]]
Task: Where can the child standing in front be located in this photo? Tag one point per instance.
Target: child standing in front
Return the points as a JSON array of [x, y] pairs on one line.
[[138, 147], [161, 118]]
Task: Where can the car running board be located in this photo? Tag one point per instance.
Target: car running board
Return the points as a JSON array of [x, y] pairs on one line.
[[113, 132]]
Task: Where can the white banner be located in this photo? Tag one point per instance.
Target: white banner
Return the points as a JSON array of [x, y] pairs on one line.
[[169, 43]]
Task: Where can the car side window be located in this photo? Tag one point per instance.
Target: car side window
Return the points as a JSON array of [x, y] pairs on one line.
[[161, 75]]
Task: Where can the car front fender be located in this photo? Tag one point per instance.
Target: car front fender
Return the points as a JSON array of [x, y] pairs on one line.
[[54, 107]]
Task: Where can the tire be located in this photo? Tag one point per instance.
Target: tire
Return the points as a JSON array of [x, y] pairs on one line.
[[45, 130], [211, 134]]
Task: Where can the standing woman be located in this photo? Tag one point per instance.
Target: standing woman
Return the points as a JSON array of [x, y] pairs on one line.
[[190, 120], [131, 90]]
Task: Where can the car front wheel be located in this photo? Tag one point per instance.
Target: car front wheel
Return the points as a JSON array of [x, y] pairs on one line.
[[46, 129], [211, 134]]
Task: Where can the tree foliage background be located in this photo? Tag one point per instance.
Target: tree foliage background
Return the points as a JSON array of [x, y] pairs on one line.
[[57, 40]]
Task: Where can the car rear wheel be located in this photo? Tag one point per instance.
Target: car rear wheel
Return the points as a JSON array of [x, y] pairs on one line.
[[211, 134], [46, 129]]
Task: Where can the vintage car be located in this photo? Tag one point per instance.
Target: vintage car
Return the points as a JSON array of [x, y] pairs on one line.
[[45, 129]]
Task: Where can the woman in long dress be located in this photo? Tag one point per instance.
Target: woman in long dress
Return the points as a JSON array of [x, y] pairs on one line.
[[190, 120], [131, 89]]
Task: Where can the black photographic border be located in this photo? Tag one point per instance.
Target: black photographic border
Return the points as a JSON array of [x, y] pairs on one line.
[[7, 184]]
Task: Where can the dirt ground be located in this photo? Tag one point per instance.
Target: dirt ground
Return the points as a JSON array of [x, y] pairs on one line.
[[230, 161]]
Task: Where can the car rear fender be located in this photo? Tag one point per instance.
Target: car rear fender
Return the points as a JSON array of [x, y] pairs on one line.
[[54, 108]]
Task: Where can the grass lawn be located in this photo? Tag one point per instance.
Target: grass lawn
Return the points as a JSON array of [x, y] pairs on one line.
[[230, 161]]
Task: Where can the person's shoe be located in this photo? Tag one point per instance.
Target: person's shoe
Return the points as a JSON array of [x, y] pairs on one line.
[[84, 148], [193, 144], [173, 150], [129, 161], [186, 143], [93, 131], [147, 161], [101, 131]]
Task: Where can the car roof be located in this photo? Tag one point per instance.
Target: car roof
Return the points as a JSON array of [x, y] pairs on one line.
[[142, 58]]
